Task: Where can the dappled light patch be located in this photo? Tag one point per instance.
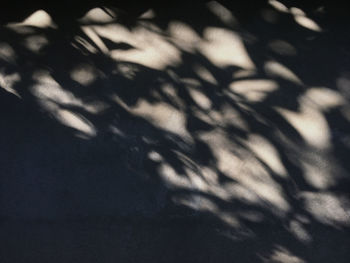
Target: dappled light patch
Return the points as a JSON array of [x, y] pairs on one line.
[[127, 70], [52, 96], [319, 171], [47, 89], [7, 53], [75, 121], [155, 156], [243, 193], [278, 6], [310, 124], [22, 30], [36, 43], [231, 116], [151, 49], [266, 153], [299, 15], [324, 98], [276, 69], [95, 38], [84, 45], [282, 47], [116, 131], [183, 35], [205, 74], [98, 15], [224, 14], [269, 194], [200, 99], [299, 231], [162, 115], [8, 82], [53, 99], [307, 23], [243, 74], [230, 220], [283, 255], [172, 178], [253, 90], [328, 208], [297, 11], [39, 18], [227, 162], [249, 173], [343, 84], [171, 92], [149, 14], [224, 48], [84, 74]]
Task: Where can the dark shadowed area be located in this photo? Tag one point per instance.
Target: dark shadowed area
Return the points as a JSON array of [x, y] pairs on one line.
[[211, 131]]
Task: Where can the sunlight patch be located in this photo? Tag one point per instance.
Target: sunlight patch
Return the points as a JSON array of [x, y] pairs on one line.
[[269, 193], [324, 98], [155, 156], [36, 43], [343, 84], [84, 74], [149, 14], [48, 89], [162, 115], [76, 121], [225, 48], [205, 74], [39, 18], [301, 18], [7, 53], [307, 23], [242, 73], [282, 255], [277, 69], [95, 38], [310, 124], [242, 193], [98, 15], [224, 14], [278, 6], [201, 99], [8, 82], [327, 208], [171, 178], [297, 11], [151, 50], [267, 153], [319, 174], [81, 42], [50, 95], [299, 15], [183, 35], [182, 31], [253, 90], [299, 231]]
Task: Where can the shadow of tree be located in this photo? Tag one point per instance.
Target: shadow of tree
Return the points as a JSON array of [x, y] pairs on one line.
[[166, 136]]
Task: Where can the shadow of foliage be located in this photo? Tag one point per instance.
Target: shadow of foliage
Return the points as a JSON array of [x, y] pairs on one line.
[[203, 132]]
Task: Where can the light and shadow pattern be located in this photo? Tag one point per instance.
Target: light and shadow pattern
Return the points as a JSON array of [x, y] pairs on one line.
[[207, 132]]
